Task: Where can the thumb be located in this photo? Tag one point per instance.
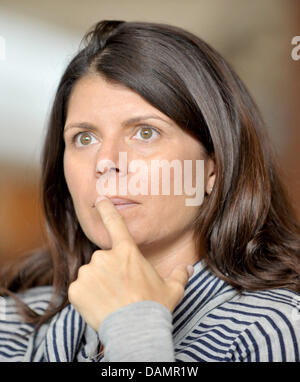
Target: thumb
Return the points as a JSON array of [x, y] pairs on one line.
[[180, 276]]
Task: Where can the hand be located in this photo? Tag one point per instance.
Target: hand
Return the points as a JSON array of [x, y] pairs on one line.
[[120, 276]]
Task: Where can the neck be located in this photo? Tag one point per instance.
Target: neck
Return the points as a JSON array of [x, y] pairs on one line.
[[165, 256]]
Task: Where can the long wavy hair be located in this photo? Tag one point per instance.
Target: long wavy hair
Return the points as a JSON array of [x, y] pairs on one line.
[[246, 226]]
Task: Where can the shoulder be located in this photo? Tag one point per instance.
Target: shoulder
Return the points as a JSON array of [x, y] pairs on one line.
[[254, 326], [14, 331], [278, 305], [267, 323], [36, 298]]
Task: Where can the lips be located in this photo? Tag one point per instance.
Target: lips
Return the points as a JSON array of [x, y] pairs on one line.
[[119, 201], [122, 201]]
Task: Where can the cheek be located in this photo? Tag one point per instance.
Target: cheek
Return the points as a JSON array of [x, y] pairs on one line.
[[70, 173], [74, 175], [169, 215], [174, 210]]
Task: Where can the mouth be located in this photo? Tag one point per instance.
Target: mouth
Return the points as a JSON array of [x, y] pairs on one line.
[[122, 203], [123, 206]]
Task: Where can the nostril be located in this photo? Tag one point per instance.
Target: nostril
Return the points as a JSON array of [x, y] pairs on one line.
[[105, 165]]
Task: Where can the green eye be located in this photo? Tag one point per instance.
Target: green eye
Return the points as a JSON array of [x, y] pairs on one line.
[[146, 133], [85, 139]]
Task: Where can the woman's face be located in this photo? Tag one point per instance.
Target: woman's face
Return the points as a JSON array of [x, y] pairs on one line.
[[156, 219]]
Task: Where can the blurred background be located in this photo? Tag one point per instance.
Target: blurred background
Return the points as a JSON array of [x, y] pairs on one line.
[[38, 39]]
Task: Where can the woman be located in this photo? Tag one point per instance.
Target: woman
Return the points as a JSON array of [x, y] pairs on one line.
[[156, 280]]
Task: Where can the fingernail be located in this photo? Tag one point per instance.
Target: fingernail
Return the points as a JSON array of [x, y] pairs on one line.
[[101, 197], [190, 270]]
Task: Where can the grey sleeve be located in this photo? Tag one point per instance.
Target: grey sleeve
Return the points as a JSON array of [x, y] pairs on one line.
[[140, 332]]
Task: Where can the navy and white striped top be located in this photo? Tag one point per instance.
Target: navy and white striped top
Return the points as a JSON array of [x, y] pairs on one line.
[[211, 323]]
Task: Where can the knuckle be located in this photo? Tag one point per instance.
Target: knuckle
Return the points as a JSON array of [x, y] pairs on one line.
[[72, 290], [96, 257], [83, 271]]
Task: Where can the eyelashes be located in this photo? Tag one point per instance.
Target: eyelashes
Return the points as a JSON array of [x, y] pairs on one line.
[[153, 129], [76, 137]]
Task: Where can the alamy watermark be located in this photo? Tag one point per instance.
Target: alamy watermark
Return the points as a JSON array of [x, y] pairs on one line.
[[139, 184], [2, 49], [296, 50]]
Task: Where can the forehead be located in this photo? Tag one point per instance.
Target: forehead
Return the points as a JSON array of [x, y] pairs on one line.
[[93, 94]]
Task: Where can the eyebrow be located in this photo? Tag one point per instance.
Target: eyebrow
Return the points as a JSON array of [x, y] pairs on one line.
[[90, 126]]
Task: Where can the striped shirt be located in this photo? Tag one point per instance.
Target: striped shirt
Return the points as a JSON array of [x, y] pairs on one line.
[[211, 323]]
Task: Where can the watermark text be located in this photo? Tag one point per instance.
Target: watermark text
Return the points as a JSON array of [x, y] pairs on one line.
[[296, 50], [157, 178]]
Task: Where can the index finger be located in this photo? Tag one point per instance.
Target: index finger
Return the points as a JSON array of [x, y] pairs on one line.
[[113, 221]]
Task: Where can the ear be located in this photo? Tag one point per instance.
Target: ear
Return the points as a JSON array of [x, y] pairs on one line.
[[210, 175]]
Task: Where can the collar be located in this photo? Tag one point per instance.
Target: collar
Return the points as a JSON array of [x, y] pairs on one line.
[[203, 292]]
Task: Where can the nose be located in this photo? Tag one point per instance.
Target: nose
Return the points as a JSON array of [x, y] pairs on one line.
[[107, 158], [105, 165]]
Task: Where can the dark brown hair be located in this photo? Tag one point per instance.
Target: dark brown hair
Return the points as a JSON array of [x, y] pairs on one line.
[[246, 226]]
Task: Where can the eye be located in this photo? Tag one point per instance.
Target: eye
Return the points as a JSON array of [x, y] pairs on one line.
[[83, 139], [147, 133]]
